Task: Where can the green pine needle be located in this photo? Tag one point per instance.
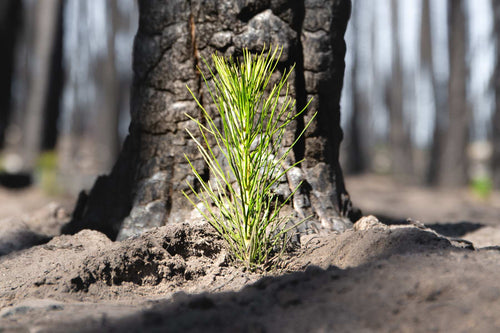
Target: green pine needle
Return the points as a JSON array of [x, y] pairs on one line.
[[245, 156]]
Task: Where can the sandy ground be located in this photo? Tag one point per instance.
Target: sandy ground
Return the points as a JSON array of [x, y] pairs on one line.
[[437, 272], [454, 213]]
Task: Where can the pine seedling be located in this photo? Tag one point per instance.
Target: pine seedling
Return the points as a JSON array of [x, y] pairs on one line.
[[245, 156]]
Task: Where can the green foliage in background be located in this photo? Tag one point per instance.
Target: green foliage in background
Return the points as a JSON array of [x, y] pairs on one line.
[[245, 156], [46, 173], [482, 186]]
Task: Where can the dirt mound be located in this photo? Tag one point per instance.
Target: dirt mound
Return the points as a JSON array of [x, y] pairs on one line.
[[178, 278], [174, 254], [362, 245], [86, 265], [432, 292]]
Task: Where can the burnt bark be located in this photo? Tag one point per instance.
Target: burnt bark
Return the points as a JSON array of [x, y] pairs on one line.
[[145, 187]]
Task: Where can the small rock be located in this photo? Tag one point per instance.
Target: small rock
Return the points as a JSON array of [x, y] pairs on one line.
[[368, 222], [461, 243], [221, 39]]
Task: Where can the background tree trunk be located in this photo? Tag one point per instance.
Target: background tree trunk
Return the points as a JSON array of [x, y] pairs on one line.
[[399, 136], [427, 61], [37, 85], [357, 152], [106, 130], [453, 167], [10, 23], [93, 98], [496, 83], [145, 185], [45, 37]]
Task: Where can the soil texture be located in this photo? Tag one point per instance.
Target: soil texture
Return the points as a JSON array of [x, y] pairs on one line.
[[410, 269]]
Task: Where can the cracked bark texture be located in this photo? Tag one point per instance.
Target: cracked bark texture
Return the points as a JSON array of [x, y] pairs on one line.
[[145, 187]]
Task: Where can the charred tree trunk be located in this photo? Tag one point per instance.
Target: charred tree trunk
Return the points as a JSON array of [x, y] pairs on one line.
[[399, 136], [452, 170], [144, 188], [496, 83], [55, 86], [10, 22]]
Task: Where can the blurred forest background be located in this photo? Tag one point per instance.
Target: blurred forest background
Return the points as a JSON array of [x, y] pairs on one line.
[[418, 103]]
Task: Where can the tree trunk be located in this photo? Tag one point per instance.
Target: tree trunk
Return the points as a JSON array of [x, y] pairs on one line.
[[357, 154], [399, 136], [453, 167], [107, 81], [45, 37], [145, 185], [35, 71], [10, 22], [89, 141], [439, 94], [496, 83]]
